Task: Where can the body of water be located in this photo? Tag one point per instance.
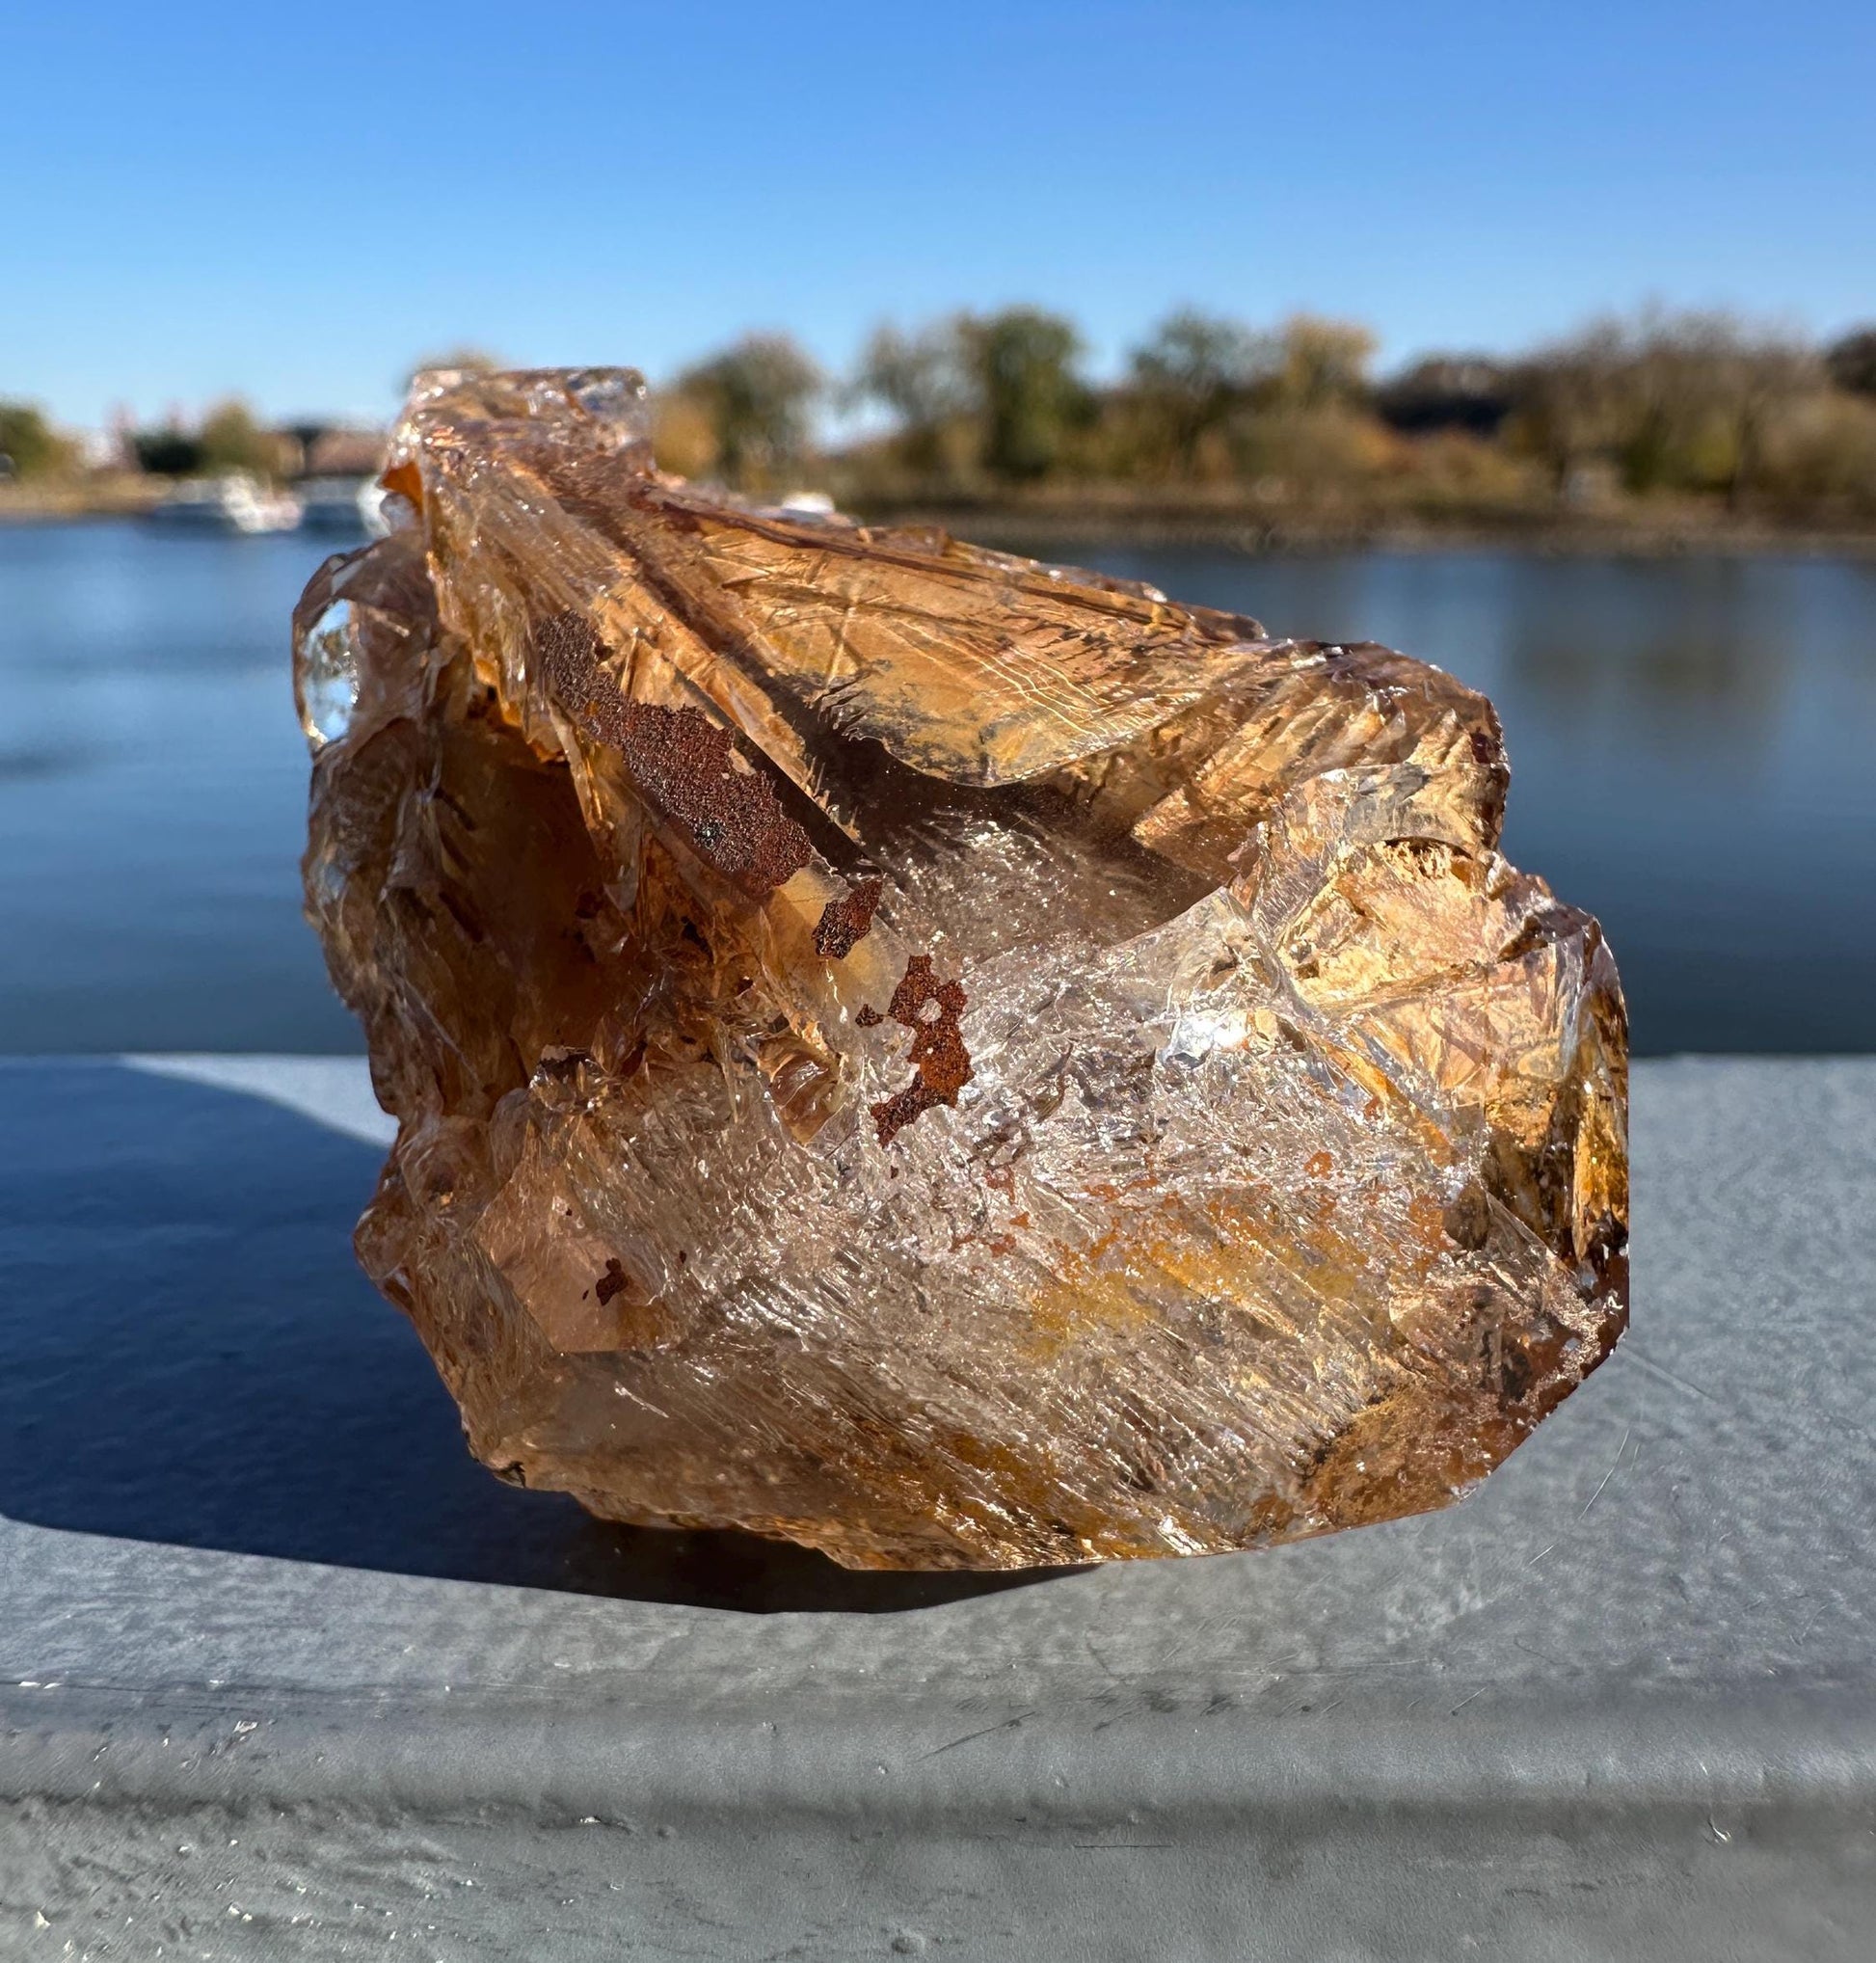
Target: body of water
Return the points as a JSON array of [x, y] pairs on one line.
[[1692, 745]]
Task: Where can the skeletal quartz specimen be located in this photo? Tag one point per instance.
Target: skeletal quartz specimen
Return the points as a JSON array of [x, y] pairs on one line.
[[954, 1062]]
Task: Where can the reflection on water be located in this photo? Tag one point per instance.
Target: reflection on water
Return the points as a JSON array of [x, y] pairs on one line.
[[1692, 744], [1693, 748], [148, 853]]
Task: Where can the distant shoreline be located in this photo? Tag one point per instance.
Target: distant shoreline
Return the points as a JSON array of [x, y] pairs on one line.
[[1054, 522], [125, 496], [1045, 527]]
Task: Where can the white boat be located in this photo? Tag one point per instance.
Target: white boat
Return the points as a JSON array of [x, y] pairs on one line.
[[343, 504], [232, 502]]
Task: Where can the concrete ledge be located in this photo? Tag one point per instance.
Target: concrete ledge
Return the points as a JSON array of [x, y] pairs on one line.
[[1620, 1702]]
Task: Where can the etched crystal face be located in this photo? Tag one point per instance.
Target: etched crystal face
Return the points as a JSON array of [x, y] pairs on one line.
[[955, 1062]]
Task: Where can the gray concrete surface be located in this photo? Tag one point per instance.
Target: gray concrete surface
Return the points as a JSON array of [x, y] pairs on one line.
[[1621, 1702]]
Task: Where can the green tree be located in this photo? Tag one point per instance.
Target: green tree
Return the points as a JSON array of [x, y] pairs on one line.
[[1568, 408], [1321, 362], [1741, 381], [29, 445], [925, 381], [757, 394], [231, 438], [1820, 458], [1023, 361], [1193, 372], [1677, 401]]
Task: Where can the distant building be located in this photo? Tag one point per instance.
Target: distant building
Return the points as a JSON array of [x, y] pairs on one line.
[[1469, 393], [345, 451]]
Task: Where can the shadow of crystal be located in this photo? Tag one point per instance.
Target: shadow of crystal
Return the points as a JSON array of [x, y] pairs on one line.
[[191, 1356]]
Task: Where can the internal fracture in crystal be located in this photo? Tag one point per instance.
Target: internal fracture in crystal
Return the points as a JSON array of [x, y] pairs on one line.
[[954, 1062]]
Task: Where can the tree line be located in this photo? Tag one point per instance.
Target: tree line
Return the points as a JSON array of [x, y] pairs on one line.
[[1703, 408], [230, 437]]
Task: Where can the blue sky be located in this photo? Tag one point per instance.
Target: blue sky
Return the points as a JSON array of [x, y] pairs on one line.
[[295, 202]]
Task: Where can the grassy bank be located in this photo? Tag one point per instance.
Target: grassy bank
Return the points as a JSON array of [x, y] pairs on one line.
[[42, 501], [1058, 518]]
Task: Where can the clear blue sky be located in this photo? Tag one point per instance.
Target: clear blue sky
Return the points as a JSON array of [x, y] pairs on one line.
[[293, 201]]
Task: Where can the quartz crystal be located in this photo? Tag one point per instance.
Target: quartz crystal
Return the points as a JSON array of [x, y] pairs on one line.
[[955, 1062]]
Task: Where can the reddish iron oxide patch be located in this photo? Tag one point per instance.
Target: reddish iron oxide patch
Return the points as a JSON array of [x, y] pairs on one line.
[[844, 923], [687, 767], [938, 1052], [614, 1281]]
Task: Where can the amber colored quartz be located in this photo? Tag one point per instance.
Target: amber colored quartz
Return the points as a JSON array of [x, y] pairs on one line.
[[955, 1062]]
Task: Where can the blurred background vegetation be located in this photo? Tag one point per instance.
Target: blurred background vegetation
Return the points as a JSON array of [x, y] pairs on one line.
[[1682, 419]]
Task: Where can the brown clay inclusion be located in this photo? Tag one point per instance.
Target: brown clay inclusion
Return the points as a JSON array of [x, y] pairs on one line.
[[950, 1061]]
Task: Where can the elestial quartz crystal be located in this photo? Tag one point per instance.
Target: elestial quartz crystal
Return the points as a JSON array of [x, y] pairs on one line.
[[954, 1062]]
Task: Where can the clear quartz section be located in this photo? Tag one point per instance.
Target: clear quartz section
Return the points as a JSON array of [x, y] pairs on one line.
[[954, 1061], [326, 673]]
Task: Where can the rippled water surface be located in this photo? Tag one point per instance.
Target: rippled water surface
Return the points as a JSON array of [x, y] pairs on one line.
[[1692, 744]]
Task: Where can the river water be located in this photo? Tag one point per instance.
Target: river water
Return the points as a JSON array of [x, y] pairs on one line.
[[1692, 744]]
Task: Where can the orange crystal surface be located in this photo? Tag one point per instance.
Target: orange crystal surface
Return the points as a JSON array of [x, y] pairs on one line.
[[954, 1062]]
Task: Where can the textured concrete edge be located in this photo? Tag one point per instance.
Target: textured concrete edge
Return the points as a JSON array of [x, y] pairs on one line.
[[688, 1739], [853, 1759]]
